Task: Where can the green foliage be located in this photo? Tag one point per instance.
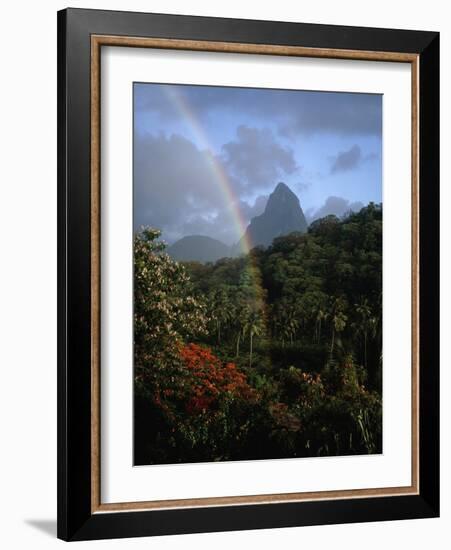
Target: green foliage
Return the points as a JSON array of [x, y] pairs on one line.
[[166, 310], [300, 325]]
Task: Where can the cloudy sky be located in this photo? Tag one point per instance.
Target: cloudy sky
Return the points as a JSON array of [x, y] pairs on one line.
[[206, 158]]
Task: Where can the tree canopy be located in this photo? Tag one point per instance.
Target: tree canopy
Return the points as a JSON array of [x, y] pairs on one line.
[[274, 354]]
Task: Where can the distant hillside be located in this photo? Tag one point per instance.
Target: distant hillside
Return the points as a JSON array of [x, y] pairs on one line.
[[198, 248]]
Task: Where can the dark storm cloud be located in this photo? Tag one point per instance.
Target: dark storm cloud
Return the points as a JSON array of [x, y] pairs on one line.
[[347, 160], [257, 158], [176, 189], [335, 113], [171, 177], [350, 159], [334, 205], [294, 112]]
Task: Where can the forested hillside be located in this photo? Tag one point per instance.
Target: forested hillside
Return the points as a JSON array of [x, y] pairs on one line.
[[274, 354]]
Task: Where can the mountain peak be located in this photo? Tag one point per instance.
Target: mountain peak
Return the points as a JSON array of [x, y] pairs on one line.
[[282, 200], [283, 215], [281, 187]]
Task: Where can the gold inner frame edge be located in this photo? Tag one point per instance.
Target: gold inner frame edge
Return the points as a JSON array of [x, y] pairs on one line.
[[97, 41]]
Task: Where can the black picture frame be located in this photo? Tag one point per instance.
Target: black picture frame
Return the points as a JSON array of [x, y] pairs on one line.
[[76, 521]]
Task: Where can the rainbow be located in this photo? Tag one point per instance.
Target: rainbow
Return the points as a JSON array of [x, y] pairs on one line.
[[219, 175]]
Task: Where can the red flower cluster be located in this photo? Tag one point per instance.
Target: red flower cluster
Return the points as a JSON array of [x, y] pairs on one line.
[[212, 379]]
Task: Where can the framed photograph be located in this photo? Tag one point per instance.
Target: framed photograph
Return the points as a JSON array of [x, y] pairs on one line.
[[248, 274]]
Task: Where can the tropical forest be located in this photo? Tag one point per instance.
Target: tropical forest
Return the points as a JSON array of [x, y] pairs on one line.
[[276, 353]]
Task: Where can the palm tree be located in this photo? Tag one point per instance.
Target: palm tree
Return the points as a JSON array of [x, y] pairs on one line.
[[338, 324], [338, 320], [283, 328], [221, 311], [254, 327], [289, 323], [321, 315], [366, 323], [240, 316], [292, 326]]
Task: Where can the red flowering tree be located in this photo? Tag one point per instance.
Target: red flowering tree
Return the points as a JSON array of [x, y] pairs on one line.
[[212, 381], [206, 408]]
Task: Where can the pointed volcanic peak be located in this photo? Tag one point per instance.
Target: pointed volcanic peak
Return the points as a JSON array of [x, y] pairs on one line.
[[283, 215]]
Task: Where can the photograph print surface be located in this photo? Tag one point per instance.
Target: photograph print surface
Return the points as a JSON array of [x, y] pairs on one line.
[[257, 273]]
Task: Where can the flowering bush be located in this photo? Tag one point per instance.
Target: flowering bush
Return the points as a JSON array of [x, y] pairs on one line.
[[212, 381], [203, 411]]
